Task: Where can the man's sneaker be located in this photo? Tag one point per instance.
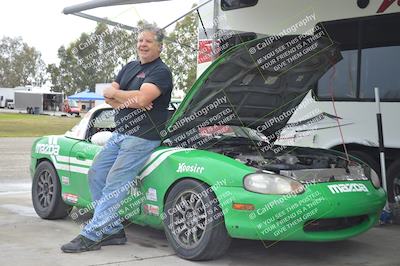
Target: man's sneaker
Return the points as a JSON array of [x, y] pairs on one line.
[[80, 244], [118, 238]]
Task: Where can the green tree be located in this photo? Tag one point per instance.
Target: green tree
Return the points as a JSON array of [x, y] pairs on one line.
[[96, 57], [20, 64], [93, 58], [180, 52]]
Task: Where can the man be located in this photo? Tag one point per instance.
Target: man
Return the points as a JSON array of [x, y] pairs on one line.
[[140, 95]]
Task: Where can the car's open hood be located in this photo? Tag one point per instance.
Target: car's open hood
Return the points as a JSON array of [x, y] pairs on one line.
[[240, 89]]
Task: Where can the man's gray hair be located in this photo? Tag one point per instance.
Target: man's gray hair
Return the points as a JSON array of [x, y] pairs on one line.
[[159, 33]]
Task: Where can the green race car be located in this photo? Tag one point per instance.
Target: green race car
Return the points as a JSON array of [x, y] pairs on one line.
[[218, 173]]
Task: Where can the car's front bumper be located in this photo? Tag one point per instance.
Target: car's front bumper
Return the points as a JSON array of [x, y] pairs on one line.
[[327, 216]]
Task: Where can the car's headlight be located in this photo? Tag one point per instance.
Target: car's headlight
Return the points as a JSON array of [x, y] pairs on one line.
[[373, 176], [362, 171], [270, 183]]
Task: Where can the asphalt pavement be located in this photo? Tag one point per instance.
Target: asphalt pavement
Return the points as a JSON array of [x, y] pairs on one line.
[[25, 239]]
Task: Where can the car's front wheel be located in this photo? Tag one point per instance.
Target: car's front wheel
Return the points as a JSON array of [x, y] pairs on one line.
[[194, 223], [46, 193], [393, 182]]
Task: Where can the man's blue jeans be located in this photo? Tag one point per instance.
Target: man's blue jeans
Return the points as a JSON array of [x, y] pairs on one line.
[[110, 177]]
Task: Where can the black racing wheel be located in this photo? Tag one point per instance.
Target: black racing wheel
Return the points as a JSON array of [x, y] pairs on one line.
[[46, 193], [194, 223]]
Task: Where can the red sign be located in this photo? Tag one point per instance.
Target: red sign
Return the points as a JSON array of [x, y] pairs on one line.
[[205, 53]]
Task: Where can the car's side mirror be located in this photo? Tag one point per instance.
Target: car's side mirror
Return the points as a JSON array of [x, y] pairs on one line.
[[100, 138]]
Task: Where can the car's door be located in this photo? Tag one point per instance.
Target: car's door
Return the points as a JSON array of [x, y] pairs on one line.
[[81, 158], [83, 153]]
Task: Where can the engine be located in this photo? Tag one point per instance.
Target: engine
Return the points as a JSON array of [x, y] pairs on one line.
[[302, 164]]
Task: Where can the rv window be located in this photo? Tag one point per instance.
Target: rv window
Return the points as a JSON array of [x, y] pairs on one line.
[[341, 80], [378, 66], [380, 57], [371, 52], [236, 4]]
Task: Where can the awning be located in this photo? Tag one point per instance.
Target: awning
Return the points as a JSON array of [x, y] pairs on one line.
[[103, 3], [77, 10], [86, 96]]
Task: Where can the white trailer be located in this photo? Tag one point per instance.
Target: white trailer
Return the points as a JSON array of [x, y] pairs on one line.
[[38, 102]]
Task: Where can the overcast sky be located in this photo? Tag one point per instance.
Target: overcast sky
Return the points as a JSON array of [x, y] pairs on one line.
[[41, 23]]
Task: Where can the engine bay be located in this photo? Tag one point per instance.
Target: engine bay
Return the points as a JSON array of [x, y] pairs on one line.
[[300, 163]]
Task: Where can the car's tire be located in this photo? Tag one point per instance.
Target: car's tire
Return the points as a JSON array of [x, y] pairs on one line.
[[393, 182], [205, 236], [46, 193]]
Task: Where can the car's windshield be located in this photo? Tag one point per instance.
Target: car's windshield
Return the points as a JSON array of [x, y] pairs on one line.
[[79, 128], [72, 103]]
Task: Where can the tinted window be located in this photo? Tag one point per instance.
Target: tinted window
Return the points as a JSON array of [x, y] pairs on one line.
[[380, 67], [380, 58], [341, 80], [371, 58], [235, 4]]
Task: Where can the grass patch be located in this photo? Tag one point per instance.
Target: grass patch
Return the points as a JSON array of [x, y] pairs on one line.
[[24, 125]]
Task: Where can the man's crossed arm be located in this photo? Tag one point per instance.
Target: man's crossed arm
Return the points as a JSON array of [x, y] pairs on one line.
[[142, 98]]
